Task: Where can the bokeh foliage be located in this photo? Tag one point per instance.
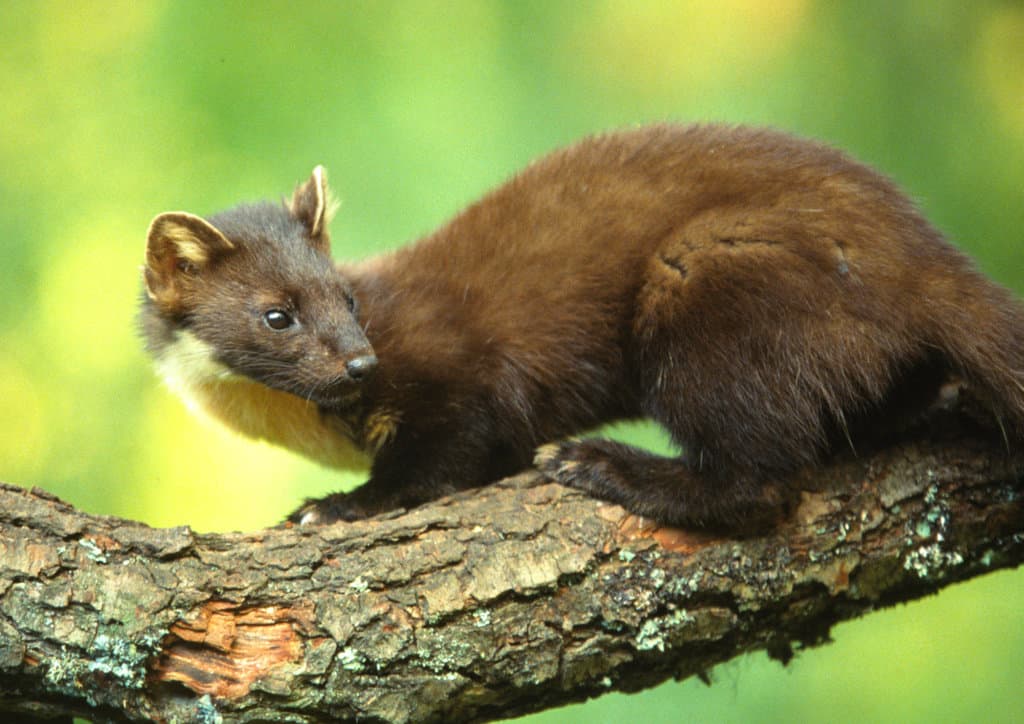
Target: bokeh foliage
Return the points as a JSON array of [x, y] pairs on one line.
[[113, 112]]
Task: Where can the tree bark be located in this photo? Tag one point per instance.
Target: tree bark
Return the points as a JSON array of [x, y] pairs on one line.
[[500, 601]]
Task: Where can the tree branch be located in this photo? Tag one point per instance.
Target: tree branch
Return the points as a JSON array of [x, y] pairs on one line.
[[500, 601]]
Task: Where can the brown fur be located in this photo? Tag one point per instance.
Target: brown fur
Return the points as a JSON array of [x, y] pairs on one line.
[[754, 293]]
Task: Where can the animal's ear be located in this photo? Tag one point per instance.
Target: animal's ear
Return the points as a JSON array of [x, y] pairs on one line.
[[312, 205], [178, 246]]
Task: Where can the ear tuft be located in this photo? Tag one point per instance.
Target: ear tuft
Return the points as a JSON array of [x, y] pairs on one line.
[[178, 245], [313, 205]]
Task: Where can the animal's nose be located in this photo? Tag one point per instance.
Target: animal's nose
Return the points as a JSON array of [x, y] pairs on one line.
[[360, 367]]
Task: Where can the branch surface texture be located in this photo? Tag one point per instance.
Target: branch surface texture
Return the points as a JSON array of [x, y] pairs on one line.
[[499, 601]]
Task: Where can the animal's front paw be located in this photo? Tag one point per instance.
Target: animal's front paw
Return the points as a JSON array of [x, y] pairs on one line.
[[331, 509]]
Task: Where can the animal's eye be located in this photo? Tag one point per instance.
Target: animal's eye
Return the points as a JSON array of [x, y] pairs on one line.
[[277, 319], [351, 302]]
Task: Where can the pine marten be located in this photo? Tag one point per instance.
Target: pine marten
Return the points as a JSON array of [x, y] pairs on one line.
[[752, 292]]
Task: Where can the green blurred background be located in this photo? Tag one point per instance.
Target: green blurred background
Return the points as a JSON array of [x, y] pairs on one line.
[[113, 112]]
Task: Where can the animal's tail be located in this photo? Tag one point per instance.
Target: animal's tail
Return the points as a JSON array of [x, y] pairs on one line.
[[979, 325]]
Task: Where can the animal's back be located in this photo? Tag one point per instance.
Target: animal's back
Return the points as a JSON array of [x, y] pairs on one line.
[[578, 228]]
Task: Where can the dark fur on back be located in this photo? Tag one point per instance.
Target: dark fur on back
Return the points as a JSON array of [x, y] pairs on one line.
[[754, 293]]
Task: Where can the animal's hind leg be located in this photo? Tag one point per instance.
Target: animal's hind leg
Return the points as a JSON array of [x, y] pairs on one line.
[[727, 357], [664, 489]]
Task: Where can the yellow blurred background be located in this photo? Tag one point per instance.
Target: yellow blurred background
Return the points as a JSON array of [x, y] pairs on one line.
[[113, 112]]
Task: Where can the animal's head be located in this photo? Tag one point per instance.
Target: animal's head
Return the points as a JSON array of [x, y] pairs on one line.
[[253, 291]]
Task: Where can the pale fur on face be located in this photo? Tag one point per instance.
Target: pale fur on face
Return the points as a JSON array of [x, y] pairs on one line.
[[210, 389]]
